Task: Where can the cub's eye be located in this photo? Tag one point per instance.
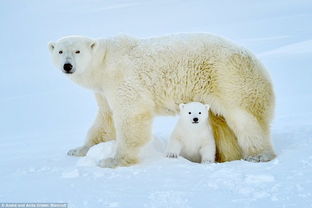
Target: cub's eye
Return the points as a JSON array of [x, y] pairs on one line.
[[60, 52], [77, 52], [199, 112], [190, 113]]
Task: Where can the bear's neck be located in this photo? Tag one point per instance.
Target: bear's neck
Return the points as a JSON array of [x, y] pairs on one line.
[[106, 71], [89, 80]]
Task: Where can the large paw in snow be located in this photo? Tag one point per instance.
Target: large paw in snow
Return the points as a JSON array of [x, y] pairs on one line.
[[265, 157], [172, 155], [78, 152], [108, 163]]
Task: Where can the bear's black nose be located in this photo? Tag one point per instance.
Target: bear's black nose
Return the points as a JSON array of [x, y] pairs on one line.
[[195, 120], [67, 67]]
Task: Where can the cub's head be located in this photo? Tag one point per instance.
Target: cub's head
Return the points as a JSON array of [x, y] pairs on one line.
[[194, 113], [72, 54]]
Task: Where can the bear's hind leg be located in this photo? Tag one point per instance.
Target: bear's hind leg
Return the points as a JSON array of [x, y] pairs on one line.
[[252, 138]]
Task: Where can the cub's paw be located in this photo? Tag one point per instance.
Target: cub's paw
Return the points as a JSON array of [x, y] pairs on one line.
[[78, 152], [108, 163], [265, 157], [207, 161], [172, 155]]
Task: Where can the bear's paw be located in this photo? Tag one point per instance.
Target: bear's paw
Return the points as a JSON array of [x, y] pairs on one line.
[[207, 161], [78, 152], [264, 157], [172, 155], [108, 163]]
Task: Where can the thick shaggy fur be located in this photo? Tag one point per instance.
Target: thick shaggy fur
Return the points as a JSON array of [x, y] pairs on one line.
[[136, 79]]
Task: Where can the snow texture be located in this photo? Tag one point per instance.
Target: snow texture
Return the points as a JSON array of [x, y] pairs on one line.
[[43, 114]]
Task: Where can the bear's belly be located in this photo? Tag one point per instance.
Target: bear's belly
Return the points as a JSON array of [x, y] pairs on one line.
[[191, 149], [167, 107]]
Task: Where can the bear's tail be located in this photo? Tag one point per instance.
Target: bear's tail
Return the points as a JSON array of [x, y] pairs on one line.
[[226, 141]]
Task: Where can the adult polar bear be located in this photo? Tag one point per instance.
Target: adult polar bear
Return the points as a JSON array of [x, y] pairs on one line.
[[136, 79]]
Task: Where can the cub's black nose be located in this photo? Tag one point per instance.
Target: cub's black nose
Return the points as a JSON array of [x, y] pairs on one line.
[[195, 120], [67, 67]]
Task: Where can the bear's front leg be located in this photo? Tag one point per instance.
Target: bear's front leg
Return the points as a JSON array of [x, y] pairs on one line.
[[133, 130], [208, 153], [102, 129], [208, 149], [174, 147]]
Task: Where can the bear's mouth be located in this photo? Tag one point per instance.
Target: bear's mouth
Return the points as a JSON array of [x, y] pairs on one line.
[[68, 72], [195, 122]]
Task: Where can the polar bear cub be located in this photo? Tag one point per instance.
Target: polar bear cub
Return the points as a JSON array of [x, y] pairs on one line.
[[192, 137]]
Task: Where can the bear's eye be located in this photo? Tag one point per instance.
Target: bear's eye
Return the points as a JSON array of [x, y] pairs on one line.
[[77, 52], [190, 113], [60, 52], [199, 112]]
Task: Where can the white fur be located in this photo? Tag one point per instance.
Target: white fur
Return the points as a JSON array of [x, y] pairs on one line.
[[194, 141], [136, 79]]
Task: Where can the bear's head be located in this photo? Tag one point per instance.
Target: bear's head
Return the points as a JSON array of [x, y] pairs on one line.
[[73, 54], [194, 113]]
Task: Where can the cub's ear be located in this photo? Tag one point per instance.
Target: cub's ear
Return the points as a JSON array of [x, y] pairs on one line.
[[207, 106], [93, 44], [51, 46], [181, 106]]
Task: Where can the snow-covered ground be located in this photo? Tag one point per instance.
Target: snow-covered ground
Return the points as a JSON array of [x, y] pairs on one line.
[[43, 114]]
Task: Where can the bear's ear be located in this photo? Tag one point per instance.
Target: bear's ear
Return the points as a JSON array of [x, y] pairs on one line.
[[181, 106], [93, 44], [207, 106], [51, 46]]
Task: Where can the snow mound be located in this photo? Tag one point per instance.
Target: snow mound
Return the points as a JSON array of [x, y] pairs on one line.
[[152, 151]]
